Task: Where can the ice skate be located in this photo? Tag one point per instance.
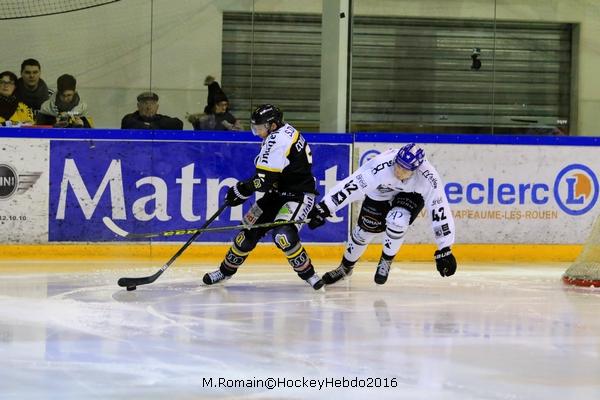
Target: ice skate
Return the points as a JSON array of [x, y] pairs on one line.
[[217, 276], [316, 282], [383, 270], [337, 274]]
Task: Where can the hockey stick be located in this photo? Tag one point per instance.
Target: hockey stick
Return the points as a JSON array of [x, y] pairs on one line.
[[110, 224], [132, 283]]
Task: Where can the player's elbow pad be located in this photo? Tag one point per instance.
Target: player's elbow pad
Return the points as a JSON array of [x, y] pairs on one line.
[[263, 181], [258, 183], [246, 188]]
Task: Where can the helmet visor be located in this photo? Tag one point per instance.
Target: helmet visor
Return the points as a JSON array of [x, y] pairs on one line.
[[259, 129]]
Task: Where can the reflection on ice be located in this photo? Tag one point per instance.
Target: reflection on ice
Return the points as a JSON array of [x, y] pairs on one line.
[[486, 333]]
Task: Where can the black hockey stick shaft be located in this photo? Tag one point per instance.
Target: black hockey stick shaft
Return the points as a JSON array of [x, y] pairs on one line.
[[132, 282], [179, 232]]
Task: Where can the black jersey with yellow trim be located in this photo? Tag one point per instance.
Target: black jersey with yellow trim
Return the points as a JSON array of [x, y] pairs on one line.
[[285, 162]]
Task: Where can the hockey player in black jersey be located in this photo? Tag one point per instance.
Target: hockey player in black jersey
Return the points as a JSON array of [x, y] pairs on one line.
[[283, 173]]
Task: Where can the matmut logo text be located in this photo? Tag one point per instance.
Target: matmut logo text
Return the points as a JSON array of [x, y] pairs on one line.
[[149, 197], [143, 208]]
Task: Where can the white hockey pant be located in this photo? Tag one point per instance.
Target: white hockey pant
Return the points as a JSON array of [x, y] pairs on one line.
[[396, 225], [397, 221]]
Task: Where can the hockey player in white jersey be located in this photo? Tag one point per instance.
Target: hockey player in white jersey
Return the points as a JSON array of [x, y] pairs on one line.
[[283, 173], [396, 185]]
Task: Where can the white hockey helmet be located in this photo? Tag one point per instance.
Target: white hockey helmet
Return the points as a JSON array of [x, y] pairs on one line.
[[410, 157]]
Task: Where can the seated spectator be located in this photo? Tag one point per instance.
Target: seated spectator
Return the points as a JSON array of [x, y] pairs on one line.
[[65, 109], [31, 88], [216, 115], [12, 111], [146, 116]]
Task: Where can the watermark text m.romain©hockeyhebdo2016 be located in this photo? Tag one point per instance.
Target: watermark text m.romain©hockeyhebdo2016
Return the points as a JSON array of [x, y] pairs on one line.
[[302, 382]]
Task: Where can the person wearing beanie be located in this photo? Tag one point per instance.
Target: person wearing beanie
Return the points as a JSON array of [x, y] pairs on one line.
[[12, 111], [147, 117], [65, 109], [215, 95], [216, 115], [66, 82]]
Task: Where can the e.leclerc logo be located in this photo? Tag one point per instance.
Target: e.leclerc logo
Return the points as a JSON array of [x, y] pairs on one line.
[[576, 189], [367, 156], [8, 181]]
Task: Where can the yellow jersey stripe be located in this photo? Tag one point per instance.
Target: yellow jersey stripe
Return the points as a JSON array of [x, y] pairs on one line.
[[263, 168], [294, 140]]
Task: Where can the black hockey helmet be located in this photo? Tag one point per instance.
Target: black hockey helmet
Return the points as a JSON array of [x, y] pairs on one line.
[[266, 114]]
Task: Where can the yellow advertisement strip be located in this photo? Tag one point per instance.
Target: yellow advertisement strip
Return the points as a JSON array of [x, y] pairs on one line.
[[268, 253]]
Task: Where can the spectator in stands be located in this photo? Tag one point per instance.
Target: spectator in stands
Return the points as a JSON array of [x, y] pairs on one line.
[[12, 111], [65, 109], [216, 116], [146, 117], [31, 88]]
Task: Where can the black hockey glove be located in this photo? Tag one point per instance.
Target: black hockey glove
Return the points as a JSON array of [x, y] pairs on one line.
[[236, 195], [412, 202], [318, 215], [445, 261]]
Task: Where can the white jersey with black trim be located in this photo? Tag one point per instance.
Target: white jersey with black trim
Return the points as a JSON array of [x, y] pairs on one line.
[[286, 156], [376, 179]]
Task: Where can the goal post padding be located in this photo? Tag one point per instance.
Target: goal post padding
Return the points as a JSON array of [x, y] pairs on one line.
[[585, 270]]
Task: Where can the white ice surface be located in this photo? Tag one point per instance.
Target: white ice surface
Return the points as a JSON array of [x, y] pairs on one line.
[[505, 332]]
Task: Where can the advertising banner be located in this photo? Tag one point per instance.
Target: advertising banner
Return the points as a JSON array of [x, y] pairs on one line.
[[500, 191], [511, 193], [153, 186], [23, 190]]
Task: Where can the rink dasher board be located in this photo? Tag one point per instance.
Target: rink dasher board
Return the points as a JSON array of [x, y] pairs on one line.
[[520, 190], [145, 181], [506, 189]]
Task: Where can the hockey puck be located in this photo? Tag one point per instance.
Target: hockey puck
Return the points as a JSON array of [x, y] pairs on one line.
[[130, 288]]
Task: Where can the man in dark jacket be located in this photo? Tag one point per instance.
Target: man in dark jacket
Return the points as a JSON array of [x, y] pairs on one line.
[[31, 88], [146, 116]]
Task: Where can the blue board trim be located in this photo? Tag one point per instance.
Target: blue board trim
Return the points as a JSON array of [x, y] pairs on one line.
[[478, 139], [149, 135], [229, 136]]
